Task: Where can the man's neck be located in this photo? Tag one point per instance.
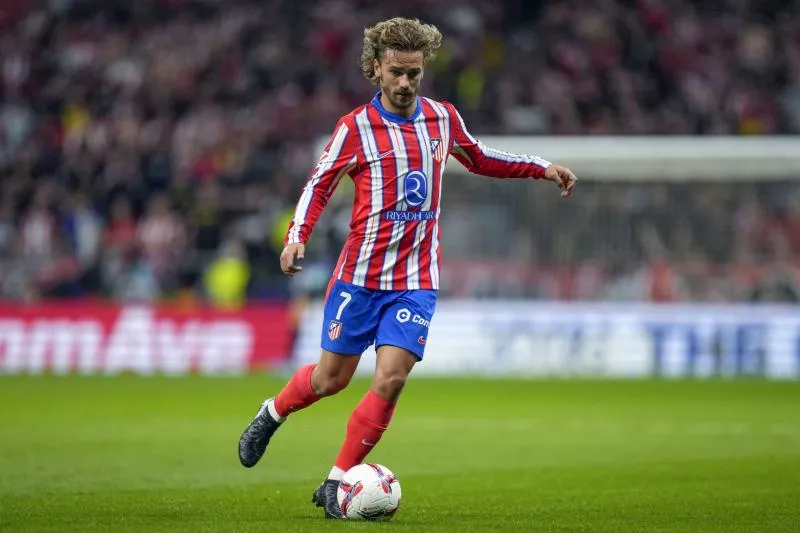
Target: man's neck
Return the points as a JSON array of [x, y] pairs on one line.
[[405, 113]]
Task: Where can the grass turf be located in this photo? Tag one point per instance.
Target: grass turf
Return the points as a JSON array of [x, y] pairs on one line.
[[159, 454]]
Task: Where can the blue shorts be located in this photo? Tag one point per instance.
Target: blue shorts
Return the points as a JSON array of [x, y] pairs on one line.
[[356, 317]]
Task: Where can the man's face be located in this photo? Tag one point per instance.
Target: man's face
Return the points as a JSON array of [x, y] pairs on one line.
[[400, 74]]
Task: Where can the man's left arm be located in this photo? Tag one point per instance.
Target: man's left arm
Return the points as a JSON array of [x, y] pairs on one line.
[[480, 159]]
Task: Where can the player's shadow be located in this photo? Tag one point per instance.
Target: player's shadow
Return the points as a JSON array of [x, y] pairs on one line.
[[356, 524]]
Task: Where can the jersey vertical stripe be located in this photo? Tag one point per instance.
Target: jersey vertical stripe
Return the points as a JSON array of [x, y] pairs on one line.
[[375, 179], [442, 127], [388, 171], [339, 268], [414, 161], [361, 207], [434, 141], [415, 275], [399, 271], [448, 121], [398, 226]]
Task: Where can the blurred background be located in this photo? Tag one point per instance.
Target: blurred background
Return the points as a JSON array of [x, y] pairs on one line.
[[151, 153]]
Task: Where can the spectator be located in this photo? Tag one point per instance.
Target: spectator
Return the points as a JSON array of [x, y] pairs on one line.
[[162, 239], [226, 278]]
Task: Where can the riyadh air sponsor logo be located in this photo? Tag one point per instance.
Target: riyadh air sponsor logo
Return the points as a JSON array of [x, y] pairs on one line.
[[415, 188], [408, 216], [415, 194]]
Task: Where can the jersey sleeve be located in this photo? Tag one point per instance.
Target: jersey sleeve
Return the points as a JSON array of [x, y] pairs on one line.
[[337, 159], [480, 159]]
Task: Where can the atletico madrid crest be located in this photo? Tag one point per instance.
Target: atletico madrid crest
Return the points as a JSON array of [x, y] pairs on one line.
[[334, 330], [437, 149]]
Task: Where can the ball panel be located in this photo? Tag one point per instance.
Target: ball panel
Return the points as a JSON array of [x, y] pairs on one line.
[[369, 491]]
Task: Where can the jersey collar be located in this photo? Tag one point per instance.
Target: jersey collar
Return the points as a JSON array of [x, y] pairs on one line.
[[394, 117]]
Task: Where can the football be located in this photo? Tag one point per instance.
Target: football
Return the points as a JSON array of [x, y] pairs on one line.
[[369, 492]]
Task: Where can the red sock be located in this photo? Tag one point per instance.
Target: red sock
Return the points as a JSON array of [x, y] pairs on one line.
[[367, 423], [298, 393]]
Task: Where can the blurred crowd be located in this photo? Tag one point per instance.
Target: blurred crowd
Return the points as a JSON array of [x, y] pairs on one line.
[[155, 149]]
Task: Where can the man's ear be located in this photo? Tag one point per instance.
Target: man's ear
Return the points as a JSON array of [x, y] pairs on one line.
[[376, 68]]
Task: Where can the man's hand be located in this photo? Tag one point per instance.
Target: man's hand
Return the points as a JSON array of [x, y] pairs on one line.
[[561, 176], [290, 254]]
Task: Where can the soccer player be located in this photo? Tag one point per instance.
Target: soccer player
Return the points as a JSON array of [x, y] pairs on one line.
[[384, 287]]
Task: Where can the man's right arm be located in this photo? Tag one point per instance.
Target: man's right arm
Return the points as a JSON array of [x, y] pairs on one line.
[[338, 158]]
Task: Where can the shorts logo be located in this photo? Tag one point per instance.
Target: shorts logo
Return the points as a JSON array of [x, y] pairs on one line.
[[421, 321], [415, 188], [403, 315], [421, 340], [334, 330]]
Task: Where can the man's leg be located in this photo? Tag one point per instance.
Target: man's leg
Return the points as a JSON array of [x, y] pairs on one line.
[[309, 384], [369, 420], [312, 382], [372, 415]]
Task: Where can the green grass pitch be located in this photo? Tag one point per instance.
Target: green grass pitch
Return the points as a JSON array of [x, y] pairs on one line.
[[132, 454]]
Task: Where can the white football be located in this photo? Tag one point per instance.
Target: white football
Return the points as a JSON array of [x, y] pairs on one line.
[[369, 492]]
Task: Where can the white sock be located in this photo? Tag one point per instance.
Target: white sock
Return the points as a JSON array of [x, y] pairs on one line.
[[336, 473], [273, 413]]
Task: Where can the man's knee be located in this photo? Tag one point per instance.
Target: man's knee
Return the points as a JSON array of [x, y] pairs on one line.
[[389, 385], [333, 373], [329, 384], [393, 367]]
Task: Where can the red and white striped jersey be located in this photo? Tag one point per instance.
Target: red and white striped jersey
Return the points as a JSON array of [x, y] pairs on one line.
[[396, 165]]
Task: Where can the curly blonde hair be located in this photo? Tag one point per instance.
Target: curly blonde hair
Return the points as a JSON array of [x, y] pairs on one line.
[[407, 35]]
